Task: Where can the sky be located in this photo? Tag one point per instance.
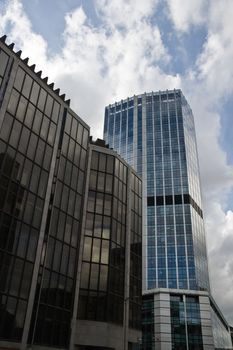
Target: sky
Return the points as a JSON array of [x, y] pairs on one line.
[[101, 51]]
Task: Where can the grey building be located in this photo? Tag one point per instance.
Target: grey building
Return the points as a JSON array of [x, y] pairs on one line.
[[155, 133], [45, 164]]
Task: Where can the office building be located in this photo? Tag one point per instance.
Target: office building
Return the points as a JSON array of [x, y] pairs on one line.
[[109, 313], [155, 134], [44, 177]]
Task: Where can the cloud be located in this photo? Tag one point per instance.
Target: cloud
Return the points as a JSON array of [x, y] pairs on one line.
[[98, 65], [220, 243], [209, 84], [14, 21], [185, 14]]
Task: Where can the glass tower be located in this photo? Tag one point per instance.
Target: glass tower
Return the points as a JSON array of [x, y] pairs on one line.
[[155, 133]]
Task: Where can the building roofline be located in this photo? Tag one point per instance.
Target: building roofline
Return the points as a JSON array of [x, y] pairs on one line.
[[99, 145], [38, 74], [152, 93]]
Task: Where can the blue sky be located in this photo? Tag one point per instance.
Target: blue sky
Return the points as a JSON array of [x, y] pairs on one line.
[[99, 51]]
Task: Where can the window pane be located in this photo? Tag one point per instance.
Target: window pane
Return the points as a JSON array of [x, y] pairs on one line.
[[35, 93], [104, 252], [21, 110], [12, 105], [87, 249], [27, 86], [19, 79]]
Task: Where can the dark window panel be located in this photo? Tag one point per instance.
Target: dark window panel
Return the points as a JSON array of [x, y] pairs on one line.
[[29, 208], [20, 316], [99, 203], [42, 98], [51, 134], [87, 249], [32, 245], [93, 179], [32, 146], [74, 128], [103, 278], [47, 157], [61, 226], [68, 229], [68, 171], [77, 209], [94, 279], [106, 227], [64, 259], [57, 257], [110, 164], [3, 62], [71, 264], [23, 241], [44, 128], [27, 86], [98, 226], [29, 115], [26, 173], [71, 150], [21, 110], [35, 176], [102, 162], [89, 228], [68, 123], [64, 198], [13, 102], [100, 183], [37, 122], [26, 280], [35, 93], [85, 276], [23, 142], [82, 159], [71, 203], [74, 234], [108, 183], [104, 252], [6, 127], [81, 182], [15, 134], [77, 153], [85, 138], [56, 110], [108, 205], [49, 106], [65, 144], [19, 79], [94, 160], [16, 277], [80, 133], [40, 152]]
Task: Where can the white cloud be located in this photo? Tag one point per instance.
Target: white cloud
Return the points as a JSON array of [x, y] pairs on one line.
[[19, 27], [98, 64], [220, 243], [185, 14], [208, 85], [125, 14]]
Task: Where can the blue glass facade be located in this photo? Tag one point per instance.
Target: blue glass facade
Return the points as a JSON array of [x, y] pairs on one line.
[[155, 133]]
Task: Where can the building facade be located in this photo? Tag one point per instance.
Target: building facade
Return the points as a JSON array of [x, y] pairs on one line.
[[155, 133], [45, 163], [109, 312]]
